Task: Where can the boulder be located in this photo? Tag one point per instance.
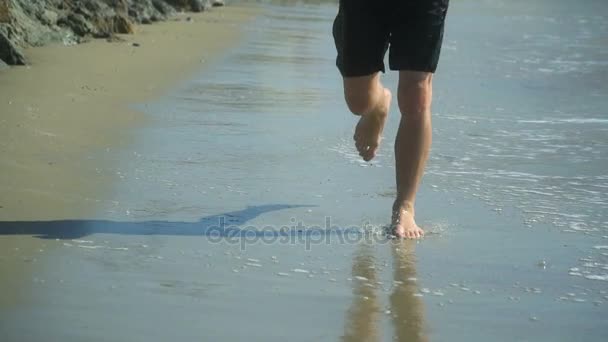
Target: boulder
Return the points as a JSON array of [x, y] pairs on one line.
[[188, 5], [4, 12], [146, 11], [100, 16], [119, 6], [122, 24], [25, 23], [9, 51], [163, 8], [179, 4], [197, 5], [48, 17], [77, 23], [27, 28]]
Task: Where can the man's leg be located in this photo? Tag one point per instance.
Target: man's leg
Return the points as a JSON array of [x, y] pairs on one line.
[[369, 99], [361, 38], [412, 147]]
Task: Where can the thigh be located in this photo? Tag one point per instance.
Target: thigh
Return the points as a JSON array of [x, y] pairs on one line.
[[361, 35], [417, 34]]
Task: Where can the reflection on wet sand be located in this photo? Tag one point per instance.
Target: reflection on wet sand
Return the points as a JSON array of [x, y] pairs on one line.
[[362, 317], [406, 309]]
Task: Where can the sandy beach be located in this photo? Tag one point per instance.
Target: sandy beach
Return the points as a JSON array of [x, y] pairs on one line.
[[74, 101]]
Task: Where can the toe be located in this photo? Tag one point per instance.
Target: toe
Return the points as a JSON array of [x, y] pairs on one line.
[[359, 145], [370, 153], [362, 150]]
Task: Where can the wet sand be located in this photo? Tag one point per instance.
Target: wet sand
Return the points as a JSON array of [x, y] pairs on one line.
[[72, 103]]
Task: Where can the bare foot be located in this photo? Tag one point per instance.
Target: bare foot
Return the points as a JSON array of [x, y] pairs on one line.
[[404, 225], [368, 132]]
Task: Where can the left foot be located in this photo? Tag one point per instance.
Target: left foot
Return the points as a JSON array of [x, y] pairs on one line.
[[368, 131], [403, 224]]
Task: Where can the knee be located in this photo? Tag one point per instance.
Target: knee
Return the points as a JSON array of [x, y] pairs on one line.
[[361, 93], [359, 102], [415, 95]]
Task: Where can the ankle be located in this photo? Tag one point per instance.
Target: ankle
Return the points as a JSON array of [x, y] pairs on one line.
[[403, 205]]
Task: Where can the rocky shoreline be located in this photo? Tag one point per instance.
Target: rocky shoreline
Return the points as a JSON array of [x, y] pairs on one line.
[[26, 23]]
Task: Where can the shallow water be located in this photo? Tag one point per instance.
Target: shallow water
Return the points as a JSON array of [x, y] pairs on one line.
[[203, 240]]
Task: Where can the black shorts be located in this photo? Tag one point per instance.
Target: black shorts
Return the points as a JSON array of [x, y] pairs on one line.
[[364, 29]]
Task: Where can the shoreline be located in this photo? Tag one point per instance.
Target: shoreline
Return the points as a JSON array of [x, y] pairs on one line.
[[73, 102]]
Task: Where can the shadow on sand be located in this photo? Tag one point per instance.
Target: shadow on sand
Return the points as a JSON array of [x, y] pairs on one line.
[[226, 225]]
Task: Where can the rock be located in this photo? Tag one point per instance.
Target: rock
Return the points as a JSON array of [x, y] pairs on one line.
[[123, 24], [99, 15], [9, 51], [197, 5], [179, 4], [147, 11], [4, 12], [25, 23], [49, 18], [157, 17], [3, 66], [94, 10], [119, 6], [115, 39], [163, 8], [26, 27], [70, 39], [77, 23], [192, 5]]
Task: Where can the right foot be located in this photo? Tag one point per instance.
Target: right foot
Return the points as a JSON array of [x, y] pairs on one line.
[[403, 224], [368, 132]]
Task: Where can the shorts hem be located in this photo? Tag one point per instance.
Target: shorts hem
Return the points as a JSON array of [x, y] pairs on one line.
[[406, 67], [360, 72]]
